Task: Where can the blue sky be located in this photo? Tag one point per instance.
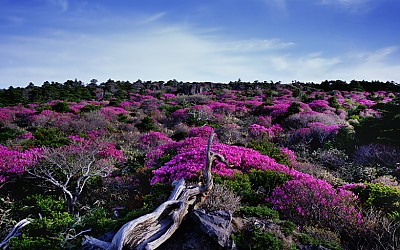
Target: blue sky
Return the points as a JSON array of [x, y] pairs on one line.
[[198, 40]]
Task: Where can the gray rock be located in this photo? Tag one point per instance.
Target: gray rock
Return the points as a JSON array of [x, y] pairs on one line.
[[216, 225]]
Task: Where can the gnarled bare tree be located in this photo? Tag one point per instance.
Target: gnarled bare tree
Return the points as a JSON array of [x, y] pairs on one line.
[[69, 167], [151, 230]]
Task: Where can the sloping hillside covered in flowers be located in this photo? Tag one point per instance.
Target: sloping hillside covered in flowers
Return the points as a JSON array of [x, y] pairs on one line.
[[309, 164]]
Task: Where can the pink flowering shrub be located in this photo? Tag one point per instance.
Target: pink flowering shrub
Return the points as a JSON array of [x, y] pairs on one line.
[[222, 108], [6, 116], [48, 118], [10, 115], [109, 153], [278, 108], [190, 159], [253, 103], [13, 162], [265, 121], [111, 113], [151, 140], [26, 136], [167, 96], [260, 132], [75, 107], [302, 119], [125, 105], [315, 132], [320, 105], [370, 113], [290, 154], [179, 115], [310, 201], [203, 132]]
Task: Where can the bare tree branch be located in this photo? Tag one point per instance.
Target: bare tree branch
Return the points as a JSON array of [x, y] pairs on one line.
[[14, 232]]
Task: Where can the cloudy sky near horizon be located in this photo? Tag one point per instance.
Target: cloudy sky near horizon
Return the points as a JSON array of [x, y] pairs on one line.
[[198, 40]]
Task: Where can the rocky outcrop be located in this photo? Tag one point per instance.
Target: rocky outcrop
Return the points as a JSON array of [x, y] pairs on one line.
[[203, 230]]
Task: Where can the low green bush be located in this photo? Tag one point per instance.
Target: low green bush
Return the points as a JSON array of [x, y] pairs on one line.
[[320, 237], [259, 211], [49, 221], [255, 239], [146, 125], [89, 107], [61, 107], [270, 149], [48, 137], [7, 134], [288, 227], [385, 198], [268, 180], [253, 186]]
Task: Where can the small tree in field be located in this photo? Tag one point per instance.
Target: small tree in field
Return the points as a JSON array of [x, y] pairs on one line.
[[68, 168]]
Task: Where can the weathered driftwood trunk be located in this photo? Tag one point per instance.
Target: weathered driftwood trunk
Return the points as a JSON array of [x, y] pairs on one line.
[[14, 232], [151, 230]]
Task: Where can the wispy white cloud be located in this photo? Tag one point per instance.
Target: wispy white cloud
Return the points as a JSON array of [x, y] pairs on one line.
[[354, 6], [162, 51], [152, 18], [63, 4], [256, 45]]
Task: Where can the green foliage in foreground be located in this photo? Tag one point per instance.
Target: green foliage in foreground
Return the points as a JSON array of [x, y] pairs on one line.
[[271, 150], [253, 186], [259, 211], [255, 239], [377, 195]]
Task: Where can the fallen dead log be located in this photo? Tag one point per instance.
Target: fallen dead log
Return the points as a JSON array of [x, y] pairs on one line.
[[151, 230]]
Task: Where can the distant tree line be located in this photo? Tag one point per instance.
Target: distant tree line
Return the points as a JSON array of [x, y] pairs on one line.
[[75, 90]]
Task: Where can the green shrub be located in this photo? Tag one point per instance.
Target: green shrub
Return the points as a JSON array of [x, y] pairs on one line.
[[259, 211], [333, 102], [255, 239], [288, 227], [98, 220], [7, 134], [39, 204], [269, 149], [146, 125], [377, 195], [319, 236], [194, 120], [42, 107], [61, 107], [44, 232], [49, 137], [89, 107], [167, 156], [122, 118], [114, 102], [267, 179], [241, 185], [254, 186], [26, 242], [170, 108], [344, 140], [47, 204], [157, 195], [294, 108]]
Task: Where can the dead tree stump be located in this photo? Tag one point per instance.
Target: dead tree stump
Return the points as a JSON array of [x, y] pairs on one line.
[[151, 230]]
